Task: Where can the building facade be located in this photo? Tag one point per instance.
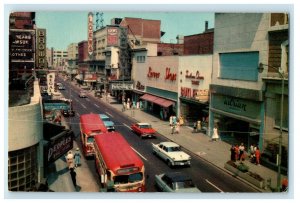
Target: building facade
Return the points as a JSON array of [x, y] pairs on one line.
[[240, 104], [25, 149]]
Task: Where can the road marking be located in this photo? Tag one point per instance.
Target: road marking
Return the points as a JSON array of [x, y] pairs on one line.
[[83, 106], [109, 114], [77, 114], [214, 185], [127, 126], [88, 99], [139, 154], [77, 100], [96, 105]]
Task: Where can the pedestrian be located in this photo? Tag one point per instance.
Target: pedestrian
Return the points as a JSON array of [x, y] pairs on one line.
[[195, 127], [181, 122], [70, 159], [171, 120], [174, 120], [257, 156], [73, 176], [237, 152], [241, 152], [215, 135], [232, 153], [177, 127], [284, 185], [77, 157], [198, 126]]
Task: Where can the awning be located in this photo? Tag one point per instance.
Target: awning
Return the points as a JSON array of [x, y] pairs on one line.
[[157, 100]]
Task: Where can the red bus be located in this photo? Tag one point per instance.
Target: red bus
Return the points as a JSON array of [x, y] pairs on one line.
[[90, 125], [120, 169]]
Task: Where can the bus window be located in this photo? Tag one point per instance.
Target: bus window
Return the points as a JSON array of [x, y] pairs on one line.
[[135, 177], [90, 139]]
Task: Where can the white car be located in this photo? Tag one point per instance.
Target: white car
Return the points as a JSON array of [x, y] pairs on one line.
[[172, 154], [82, 94]]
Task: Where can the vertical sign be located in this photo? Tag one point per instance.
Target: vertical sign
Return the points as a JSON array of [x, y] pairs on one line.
[[41, 60], [90, 34], [50, 82], [112, 36]]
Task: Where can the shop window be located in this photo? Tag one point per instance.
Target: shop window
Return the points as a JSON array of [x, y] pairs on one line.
[[141, 59], [239, 66]]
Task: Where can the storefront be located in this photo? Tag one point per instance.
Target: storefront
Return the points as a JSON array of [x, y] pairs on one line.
[[238, 114]]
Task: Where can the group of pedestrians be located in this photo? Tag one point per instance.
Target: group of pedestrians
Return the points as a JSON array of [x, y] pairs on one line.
[[73, 161], [238, 153], [175, 124]]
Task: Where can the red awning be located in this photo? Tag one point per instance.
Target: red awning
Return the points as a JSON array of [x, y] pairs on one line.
[[157, 100]]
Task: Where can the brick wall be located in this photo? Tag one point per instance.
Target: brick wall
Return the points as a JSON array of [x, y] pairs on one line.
[[165, 49], [199, 44]]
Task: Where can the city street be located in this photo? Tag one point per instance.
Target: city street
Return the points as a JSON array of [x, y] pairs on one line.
[[207, 177]]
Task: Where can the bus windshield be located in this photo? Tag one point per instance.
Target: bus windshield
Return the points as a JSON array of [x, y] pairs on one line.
[[90, 139], [135, 177]]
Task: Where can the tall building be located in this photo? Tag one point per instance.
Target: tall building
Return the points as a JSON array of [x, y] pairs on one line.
[[72, 60], [60, 59], [25, 157]]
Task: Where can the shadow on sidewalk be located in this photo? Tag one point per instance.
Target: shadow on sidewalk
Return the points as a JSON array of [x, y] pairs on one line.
[[53, 173]]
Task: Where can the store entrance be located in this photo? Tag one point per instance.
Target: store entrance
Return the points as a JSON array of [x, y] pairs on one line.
[[235, 131]]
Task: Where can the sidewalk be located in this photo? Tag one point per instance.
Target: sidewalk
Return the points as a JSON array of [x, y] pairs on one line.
[[216, 153]]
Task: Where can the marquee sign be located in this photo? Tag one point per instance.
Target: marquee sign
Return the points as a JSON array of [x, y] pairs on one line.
[[41, 61], [90, 34], [21, 45]]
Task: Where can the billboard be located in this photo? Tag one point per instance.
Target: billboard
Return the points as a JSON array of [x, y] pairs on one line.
[[58, 146], [90, 34], [21, 45], [112, 36]]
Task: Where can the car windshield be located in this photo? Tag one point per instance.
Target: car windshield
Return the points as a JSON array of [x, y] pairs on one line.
[[128, 178], [174, 149], [106, 119], [183, 184], [145, 126]]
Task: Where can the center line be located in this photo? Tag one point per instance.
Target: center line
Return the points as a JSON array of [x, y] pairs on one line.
[[109, 114], [96, 105], [214, 185], [139, 154], [83, 106], [127, 126]]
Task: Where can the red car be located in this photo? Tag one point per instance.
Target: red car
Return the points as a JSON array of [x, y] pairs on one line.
[[143, 129]]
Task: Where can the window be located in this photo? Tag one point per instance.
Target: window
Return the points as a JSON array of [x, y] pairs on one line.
[[239, 66], [141, 59]]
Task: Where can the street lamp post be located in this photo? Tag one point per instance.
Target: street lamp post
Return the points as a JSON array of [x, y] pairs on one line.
[[281, 73]]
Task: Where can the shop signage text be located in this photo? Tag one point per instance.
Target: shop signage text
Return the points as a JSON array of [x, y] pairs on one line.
[[121, 86], [139, 86], [152, 74], [188, 92], [235, 104], [112, 36], [90, 34], [169, 75], [21, 45], [41, 49], [190, 75]]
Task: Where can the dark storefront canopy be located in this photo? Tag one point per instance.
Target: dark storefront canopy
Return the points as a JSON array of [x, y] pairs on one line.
[[157, 100]]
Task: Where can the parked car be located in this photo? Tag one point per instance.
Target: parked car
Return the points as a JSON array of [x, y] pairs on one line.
[[143, 129], [175, 182], [83, 94], [107, 122], [61, 87], [68, 112], [172, 154]]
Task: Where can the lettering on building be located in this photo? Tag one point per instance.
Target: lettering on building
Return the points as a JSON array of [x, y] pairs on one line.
[[90, 34], [41, 49], [139, 86], [235, 104], [152, 74], [169, 75], [189, 74]]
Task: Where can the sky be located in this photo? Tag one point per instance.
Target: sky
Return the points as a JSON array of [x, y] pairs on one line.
[[64, 28]]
